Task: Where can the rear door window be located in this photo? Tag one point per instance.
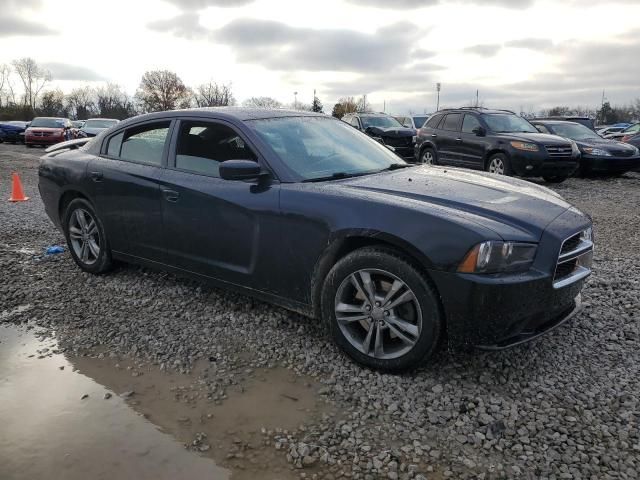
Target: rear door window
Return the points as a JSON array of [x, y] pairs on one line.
[[144, 144], [355, 122], [451, 122], [434, 121]]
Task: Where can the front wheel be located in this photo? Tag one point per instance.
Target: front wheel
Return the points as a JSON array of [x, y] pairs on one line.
[[86, 237], [499, 164], [381, 311], [555, 178], [428, 157]]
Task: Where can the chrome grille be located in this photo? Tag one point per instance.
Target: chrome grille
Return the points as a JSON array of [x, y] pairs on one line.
[[574, 261], [559, 152]]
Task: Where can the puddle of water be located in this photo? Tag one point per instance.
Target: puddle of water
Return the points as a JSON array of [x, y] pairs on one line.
[[48, 431], [267, 399]]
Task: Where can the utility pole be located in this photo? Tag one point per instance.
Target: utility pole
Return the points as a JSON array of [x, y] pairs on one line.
[[438, 86], [602, 109], [384, 106], [477, 96], [295, 100]]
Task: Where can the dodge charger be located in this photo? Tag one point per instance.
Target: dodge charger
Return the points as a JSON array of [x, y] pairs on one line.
[[306, 212]]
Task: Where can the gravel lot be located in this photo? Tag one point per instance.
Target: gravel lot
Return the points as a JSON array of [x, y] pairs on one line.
[[566, 406]]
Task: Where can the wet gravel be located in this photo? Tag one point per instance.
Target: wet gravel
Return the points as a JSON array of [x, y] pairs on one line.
[[564, 407]]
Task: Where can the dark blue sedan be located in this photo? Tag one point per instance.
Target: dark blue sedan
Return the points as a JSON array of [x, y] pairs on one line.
[[13, 131], [306, 212]]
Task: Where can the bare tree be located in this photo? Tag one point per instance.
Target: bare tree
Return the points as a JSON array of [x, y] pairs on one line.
[[261, 102], [345, 105], [81, 102], [33, 78], [52, 104], [162, 90], [5, 85], [113, 102], [213, 94]]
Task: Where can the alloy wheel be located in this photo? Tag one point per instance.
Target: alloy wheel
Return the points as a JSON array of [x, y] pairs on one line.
[[84, 236], [427, 157], [378, 313], [496, 165]]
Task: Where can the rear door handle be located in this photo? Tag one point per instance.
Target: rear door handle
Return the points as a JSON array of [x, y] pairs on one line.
[[458, 139], [170, 195], [434, 135], [96, 176]]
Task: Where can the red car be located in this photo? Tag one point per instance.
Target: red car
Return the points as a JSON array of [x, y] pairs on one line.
[[48, 131]]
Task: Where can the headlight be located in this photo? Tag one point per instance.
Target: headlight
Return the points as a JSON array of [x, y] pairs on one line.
[[598, 152], [587, 235], [574, 148], [529, 147], [414, 139], [494, 257]]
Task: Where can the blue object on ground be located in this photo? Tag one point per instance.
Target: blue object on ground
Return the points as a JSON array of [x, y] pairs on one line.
[[55, 249]]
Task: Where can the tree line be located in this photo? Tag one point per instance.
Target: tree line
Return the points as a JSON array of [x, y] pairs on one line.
[[24, 94]]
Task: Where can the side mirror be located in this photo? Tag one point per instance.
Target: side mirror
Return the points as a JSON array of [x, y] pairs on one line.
[[240, 170], [479, 131]]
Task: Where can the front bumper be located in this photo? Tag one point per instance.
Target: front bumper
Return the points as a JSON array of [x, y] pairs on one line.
[[539, 164], [610, 164], [31, 140]]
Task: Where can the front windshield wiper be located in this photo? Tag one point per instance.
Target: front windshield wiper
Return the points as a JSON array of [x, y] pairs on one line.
[[334, 176]]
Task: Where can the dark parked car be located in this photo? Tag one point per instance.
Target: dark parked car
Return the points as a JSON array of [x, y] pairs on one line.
[[586, 121], [386, 130], [94, 126], [597, 154], [48, 131], [12, 131], [304, 211], [498, 141], [412, 121]]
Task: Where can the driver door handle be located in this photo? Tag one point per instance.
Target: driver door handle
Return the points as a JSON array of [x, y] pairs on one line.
[[96, 176], [458, 139], [170, 195], [434, 135]]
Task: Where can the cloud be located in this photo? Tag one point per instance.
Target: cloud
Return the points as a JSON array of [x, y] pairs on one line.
[[64, 71], [186, 25], [484, 50], [414, 4], [202, 4], [11, 25], [421, 53], [279, 46], [530, 43]]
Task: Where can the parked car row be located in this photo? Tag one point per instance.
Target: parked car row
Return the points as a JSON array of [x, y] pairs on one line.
[[52, 130], [501, 142]]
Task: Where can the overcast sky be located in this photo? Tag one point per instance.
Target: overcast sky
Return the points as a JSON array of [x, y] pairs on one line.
[[519, 54]]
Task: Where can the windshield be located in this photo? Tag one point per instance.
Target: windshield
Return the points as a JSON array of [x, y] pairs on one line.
[[17, 123], [99, 123], [48, 122], [384, 122], [507, 123], [419, 121], [632, 129], [574, 131], [316, 148]]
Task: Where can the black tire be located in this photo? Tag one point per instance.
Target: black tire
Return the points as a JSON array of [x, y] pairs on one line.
[[423, 160], [387, 261], [103, 261], [506, 164], [555, 178]]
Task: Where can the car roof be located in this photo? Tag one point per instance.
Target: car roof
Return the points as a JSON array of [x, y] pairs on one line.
[[480, 110], [552, 122], [110, 119]]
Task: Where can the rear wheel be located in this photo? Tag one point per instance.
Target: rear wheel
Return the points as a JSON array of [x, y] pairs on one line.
[[86, 237], [555, 178], [499, 164], [381, 311]]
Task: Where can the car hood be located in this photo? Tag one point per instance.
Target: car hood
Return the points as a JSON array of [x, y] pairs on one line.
[[612, 146], [44, 129], [391, 132], [521, 205], [11, 128], [92, 131], [542, 138]]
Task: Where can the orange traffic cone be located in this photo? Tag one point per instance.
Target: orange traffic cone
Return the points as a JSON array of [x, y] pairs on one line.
[[17, 194]]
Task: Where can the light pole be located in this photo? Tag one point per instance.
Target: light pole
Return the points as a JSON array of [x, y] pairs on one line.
[[438, 86], [295, 100]]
